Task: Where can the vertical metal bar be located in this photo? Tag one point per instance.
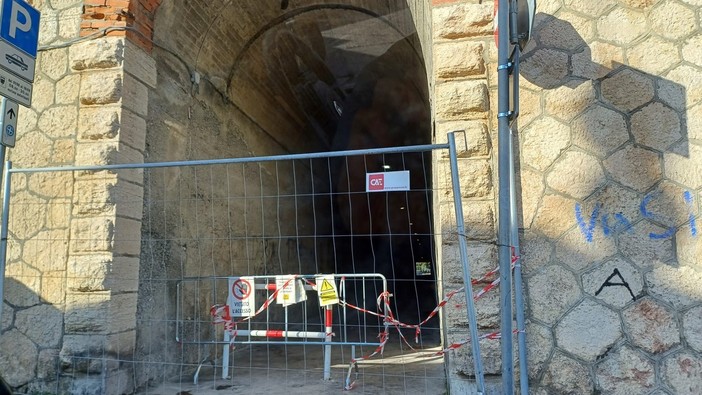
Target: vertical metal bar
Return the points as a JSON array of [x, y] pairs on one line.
[[463, 247], [327, 338], [225, 355], [503, 236], [514, 239], [5, 221]]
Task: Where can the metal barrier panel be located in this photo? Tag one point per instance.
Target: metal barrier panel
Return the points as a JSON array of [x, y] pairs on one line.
[[120, 266]]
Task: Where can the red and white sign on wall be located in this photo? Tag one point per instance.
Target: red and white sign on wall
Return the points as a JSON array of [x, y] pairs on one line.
[[241, 299], [388, 181]]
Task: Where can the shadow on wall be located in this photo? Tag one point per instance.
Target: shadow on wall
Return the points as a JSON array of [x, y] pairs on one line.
[[609, 207], [624, 125], [29, 353]]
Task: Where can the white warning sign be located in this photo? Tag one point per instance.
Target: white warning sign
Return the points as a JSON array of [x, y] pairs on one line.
[[388, 181], [290, 290], [242, 297], [326, 289]]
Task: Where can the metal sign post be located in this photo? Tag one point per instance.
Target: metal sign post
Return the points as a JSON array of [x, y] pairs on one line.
[[19, 37], [516, 17]]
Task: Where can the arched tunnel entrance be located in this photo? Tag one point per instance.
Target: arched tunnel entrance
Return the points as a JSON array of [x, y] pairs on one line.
[[348, 79], [269, 78]]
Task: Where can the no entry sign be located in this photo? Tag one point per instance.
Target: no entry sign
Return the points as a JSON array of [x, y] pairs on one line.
[[242, 298]]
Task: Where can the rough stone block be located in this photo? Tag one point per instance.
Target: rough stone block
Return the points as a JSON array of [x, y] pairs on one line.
[[53, 287], [647, 123], [585, 337], [139, 64], [42, 324], [532, 188], [479, 221], [475, 142], [683, 166], [461, 100], [47, 364], [475, 178], [42, 95], [549, 219], [482, 258], [673, 20], [600, 131], [543, 142], [22, 291], [692, 328], [123, 275], [8, 314], [625, 372], [594, 282], [87, 312], [90, 235], [59, 121], [127, 237], [108, 196], [622, 26], [651, 326], [598, 62], [552, 292], [101, 87], [107, 154], [47, 251], [48, 26], [654, 62], [54, 63], [540, 343], [683, 373], [462, 20], [68, 89], [103, 53], [102, 273], [574, 249], [18, 367], [678, 286], [565, 375], [461, 360], [68, 26], [136, 95], [459, 59], [133, 130], [51, 185], [98, 123]]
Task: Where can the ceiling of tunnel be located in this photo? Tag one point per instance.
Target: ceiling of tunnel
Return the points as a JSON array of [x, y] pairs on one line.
[[211, 36], [291, 65]]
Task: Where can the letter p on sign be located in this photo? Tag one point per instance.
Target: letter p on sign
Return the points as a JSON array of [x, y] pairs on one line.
[[15, 23], [19, 25]]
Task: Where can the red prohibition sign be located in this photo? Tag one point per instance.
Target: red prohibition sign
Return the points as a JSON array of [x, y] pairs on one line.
[[241, 289]]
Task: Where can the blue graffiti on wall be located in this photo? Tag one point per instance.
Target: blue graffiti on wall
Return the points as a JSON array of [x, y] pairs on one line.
[[618, 223]]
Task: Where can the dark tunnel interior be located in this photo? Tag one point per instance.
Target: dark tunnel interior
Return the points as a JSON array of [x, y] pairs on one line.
[[356, 82]]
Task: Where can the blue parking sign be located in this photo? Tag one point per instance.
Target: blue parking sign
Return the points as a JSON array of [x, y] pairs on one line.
[[19, 25]]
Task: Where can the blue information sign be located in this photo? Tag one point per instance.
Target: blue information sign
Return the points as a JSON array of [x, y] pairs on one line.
[[19, 25]]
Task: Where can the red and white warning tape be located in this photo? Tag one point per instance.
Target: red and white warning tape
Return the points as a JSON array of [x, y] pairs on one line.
[[221, 313]]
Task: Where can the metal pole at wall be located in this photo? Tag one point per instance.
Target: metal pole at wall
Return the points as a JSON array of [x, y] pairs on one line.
[[463, 249], [503, 234], [518, 289], [5, 221]]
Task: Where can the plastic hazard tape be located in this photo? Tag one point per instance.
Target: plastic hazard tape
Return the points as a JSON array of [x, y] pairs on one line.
[[349, 385], [491, 336], [221, 313]]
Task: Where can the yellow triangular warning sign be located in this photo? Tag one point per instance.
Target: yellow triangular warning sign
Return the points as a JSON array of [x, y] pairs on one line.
[[326, 286]]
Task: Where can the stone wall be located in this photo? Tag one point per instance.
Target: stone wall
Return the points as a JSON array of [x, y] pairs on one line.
[[462, 35], [610, 182], [608, 152], [71, 295]]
